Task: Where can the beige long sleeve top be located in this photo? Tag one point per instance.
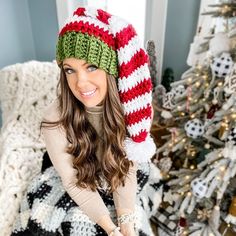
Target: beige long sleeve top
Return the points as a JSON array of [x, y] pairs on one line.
[[56, 143]]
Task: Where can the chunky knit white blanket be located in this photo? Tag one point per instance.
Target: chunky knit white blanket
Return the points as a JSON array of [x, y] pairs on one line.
[[26, 89]]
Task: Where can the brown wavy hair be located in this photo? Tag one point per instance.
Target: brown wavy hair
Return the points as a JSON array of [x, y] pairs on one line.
[[83, 138]]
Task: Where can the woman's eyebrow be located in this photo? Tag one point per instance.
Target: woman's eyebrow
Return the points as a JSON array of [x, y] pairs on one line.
[[67, 65]]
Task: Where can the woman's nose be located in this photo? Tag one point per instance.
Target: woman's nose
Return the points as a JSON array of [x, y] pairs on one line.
[[80, 78]]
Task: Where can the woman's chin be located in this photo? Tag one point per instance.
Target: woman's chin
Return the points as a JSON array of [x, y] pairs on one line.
[[90, 104]]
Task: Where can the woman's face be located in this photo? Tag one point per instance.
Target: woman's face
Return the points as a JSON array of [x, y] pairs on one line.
[[87, 82]]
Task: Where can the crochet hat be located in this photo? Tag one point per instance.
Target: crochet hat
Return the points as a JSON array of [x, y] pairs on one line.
[[112, 44]]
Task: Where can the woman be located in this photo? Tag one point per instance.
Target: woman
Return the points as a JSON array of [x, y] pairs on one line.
[[96, 134]]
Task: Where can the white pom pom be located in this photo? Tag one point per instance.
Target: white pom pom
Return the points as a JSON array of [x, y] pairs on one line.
[[140, 152], [220, 43]]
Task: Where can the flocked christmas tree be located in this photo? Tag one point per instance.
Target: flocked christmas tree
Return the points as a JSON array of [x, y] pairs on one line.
[[198, 157]]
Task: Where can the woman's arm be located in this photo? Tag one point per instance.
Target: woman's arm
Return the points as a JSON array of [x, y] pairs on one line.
[[124, 199], [89, 202], [125, 196]]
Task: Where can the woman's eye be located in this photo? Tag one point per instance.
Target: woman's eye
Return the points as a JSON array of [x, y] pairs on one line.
[[68, 71], [91, 68]]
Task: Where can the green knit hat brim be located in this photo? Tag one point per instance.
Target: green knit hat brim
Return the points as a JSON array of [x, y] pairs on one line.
[[87, 47]]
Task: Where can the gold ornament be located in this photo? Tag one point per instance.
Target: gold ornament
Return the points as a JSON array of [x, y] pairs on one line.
[[223, 129], [185, 165], [190, 151], [204, 214]]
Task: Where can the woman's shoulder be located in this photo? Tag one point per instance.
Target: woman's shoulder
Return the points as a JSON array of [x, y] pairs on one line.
[[51, 112]]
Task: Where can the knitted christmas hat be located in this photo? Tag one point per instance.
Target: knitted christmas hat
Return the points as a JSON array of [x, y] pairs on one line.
[[112, 44]]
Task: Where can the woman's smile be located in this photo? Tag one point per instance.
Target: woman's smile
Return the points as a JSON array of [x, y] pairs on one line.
[[89, 93]]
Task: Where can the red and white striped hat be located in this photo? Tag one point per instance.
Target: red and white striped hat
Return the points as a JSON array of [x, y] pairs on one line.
[[112, 44]]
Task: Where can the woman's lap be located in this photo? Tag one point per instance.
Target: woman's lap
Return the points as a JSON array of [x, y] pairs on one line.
[[47, 210]]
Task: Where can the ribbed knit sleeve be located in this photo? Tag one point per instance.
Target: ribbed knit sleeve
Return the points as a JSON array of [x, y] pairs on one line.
[[124, 197], [89, 202]]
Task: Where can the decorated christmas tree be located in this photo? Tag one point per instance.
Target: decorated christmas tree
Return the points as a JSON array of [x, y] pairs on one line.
[[198, 154]]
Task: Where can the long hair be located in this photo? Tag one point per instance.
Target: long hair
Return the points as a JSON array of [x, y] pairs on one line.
[[83, 138]]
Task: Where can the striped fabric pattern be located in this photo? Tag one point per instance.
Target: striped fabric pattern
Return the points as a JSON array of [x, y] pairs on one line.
[[133, 78]]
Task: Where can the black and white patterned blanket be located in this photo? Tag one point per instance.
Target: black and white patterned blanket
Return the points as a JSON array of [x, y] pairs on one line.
[[47, 210]]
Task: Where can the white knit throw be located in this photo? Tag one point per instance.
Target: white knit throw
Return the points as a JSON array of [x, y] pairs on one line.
[[26, 89]]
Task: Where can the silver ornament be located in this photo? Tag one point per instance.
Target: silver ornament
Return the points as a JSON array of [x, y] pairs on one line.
[[165, 164], [194, 128], [168, 100], [222, 66], [199, 187], [230, 85]]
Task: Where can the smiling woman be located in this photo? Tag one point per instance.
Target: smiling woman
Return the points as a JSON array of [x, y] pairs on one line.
[[97, 136], [24, 41], [87, 82]]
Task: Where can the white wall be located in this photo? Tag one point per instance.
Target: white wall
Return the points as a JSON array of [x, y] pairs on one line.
[[132, 11]]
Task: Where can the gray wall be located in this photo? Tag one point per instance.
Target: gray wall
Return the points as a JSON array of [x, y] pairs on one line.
[[16, 39], [182, 17], [28, 31], [44, 26]]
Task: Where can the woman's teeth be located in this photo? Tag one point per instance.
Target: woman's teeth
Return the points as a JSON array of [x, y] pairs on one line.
[[89, 93]]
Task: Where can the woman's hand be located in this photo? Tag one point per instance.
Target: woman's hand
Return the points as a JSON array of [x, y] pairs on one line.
[[127, 229], [107, 224], [116, 233]]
